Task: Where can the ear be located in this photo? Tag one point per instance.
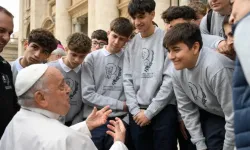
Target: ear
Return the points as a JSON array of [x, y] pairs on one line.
[[40, 100], [25, 44], [108, 32], [196, 48], [152, 14]]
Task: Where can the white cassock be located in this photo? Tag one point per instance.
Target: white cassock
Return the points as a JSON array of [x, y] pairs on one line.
[[37, 129]]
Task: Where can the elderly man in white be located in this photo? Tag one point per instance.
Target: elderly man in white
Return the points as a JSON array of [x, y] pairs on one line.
[[44, 97]]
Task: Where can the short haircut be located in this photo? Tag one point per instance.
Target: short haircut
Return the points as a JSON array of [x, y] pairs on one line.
[[166, 13], [43, 38], [188, 33], [199, 7], [122, 26], [79, 43], [140, 7], [59, 51], [100, 35], [176, 12], [4, 10]]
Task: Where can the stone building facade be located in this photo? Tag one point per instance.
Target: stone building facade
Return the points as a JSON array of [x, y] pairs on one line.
[[63, 17]]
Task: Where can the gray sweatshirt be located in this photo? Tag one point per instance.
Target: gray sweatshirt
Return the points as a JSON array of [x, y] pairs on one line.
[[73, 78], [216, 24], [242, 45], [211, 41], [102, 82], [147, 80], [207, 86]]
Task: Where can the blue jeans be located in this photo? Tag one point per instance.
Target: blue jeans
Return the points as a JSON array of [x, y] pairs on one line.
[[213, 128], [103, 141], [160, 134]]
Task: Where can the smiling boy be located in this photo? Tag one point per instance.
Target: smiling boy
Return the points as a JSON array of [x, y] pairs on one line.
[[202, 83]]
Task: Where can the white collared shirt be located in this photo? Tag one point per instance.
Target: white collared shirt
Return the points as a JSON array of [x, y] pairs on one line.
[[66, 68]]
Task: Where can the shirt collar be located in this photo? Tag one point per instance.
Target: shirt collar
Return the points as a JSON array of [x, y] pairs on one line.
[[107, 53], [43, 112], [18, 65], [66, 68]]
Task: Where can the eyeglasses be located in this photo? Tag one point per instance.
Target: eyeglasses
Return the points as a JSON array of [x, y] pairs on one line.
[[100, 44]]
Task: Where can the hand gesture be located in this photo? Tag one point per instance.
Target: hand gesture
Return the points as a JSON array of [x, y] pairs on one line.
[[141, 119], [117, 130], [98, 118]]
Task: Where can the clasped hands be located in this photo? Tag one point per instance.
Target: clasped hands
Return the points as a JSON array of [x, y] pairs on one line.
[[141, 119]]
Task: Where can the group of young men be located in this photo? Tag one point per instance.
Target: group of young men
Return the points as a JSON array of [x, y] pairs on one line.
[[162, 87]]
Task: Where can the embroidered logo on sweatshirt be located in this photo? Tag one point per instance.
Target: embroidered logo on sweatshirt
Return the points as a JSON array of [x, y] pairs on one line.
[[74, 89], [198, 93], [113, 72], [147, 57]]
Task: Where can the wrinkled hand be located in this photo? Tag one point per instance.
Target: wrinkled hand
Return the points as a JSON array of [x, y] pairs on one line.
[[183, 130], [228, 51], [117, 130], [98, 118], [141, 119]]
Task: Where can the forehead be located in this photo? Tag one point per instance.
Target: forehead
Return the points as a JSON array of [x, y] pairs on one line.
[[118, 35], [6, 21], [78, 54], [54, 76], [99, 41]]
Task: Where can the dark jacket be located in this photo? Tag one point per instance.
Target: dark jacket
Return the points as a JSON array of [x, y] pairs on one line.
[[241, 100], [8, 99]]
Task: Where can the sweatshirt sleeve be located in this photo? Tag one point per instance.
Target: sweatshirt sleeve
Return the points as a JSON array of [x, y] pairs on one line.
[[190, 115], [222, 87], [130, 94], [203, 25], [211, 41], [89, 94], [164, 95]]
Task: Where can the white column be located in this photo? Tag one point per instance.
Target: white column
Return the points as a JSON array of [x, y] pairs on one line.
[[91, 16], [77, 27], [21, 28], [37, 11], [105, 12], [63, 20], [161, 5]]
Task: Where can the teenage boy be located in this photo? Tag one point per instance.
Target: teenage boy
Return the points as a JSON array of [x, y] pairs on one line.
[[38, 48], [180, 14], [202, 83], [102, 82], [78, 46], [212, 22], [99, 39], [147, 83], [8, 99]]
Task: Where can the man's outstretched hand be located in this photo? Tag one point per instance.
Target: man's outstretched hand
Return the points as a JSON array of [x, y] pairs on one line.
[[117, 130], [98, 118]]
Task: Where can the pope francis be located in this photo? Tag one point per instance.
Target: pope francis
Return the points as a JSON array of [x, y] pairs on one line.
[[44, 97]]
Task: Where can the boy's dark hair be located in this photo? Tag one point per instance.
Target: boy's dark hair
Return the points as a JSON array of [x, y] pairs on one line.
[[140, 7], [100, 35], [43, 38], [166, 13], [176, 12], [122, 26], [79, 43], [225, 22], [4, 10], [187, 33]]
